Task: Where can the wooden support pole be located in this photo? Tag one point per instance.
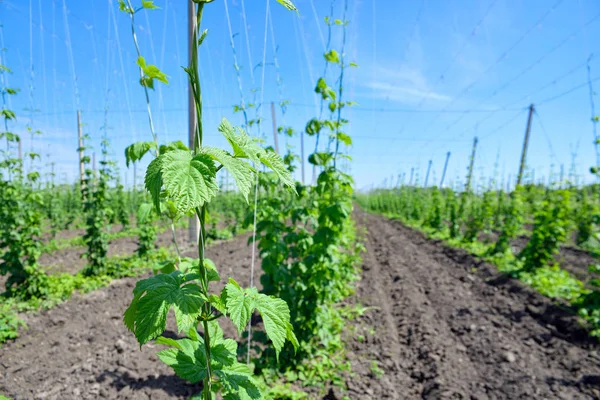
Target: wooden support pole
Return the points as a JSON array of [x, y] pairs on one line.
[[471, 165], [525, 145], [412, 174], [445, 169], [427, 174]]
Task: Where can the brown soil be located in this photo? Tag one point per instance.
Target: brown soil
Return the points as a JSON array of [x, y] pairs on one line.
[[72, 260], [82, 350], [442, 326], [442, 332]]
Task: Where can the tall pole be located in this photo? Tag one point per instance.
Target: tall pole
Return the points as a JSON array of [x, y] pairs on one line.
[[525, 145], [471, 165], [412, 174], [427, 174], [194, 225], [80, 136], [274, 117], [445, 169]]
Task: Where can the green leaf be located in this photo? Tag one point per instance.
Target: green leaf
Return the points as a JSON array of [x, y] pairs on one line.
[[244, 147], [177, 145], [137, 151], [342, 137], [224, 352], [189, 181], [188, 361], [153, 297], [218, 303], [239, 305], [149, 4], [213, 274], [276, 317], [239, 170], [151, 72], [144, 212], [154, 180], [332, 56], [236, 378], [288, 4]]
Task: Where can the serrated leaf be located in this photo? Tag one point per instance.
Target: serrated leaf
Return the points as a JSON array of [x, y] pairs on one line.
[[213, 274], [224, 353], [187, 306], [276, 318], [188, 362], [276, 164], [218, 303], [149, 4], [137, 151], [239, 306], [154, 180], [288, 4], [177, 145], [144, 212], [153, 297], [189, 181], [238, 377], [332, 56], [240, 170], [168, 342]]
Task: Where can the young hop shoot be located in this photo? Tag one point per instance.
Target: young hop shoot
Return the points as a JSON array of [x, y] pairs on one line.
[[182, 181]]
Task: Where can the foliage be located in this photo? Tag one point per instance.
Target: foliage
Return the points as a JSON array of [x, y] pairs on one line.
[[183, 182], [98, 212], [20, 217], [549, 231], [308, 244]]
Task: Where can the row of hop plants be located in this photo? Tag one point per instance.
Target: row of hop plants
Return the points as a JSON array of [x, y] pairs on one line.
[[492, 223], [182, 183], [308, 243]]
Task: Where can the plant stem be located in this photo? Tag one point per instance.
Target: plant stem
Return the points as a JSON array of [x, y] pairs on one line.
[[137, 48], [175, 241]]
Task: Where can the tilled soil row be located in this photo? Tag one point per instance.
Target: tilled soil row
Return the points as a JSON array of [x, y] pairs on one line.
[[445, 329], [82, 350]]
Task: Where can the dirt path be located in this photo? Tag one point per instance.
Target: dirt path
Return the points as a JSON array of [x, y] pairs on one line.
[[441, 332]]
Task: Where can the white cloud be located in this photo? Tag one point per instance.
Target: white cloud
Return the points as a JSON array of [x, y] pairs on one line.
[[404, 85]]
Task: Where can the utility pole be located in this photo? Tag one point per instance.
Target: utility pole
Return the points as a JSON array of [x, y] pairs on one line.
[[412, 174], [274, 117], [80, 136], [427, 174], [471, 165], [194, 224], [20, 151], [562, 175], [525, 145], [445, 169]]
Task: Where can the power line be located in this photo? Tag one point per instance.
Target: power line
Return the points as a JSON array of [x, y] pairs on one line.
[[455, 57], [528, 68], [501, 58], [558, 96]]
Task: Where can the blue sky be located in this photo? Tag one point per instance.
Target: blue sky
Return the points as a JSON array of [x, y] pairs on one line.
[[433, 73]]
